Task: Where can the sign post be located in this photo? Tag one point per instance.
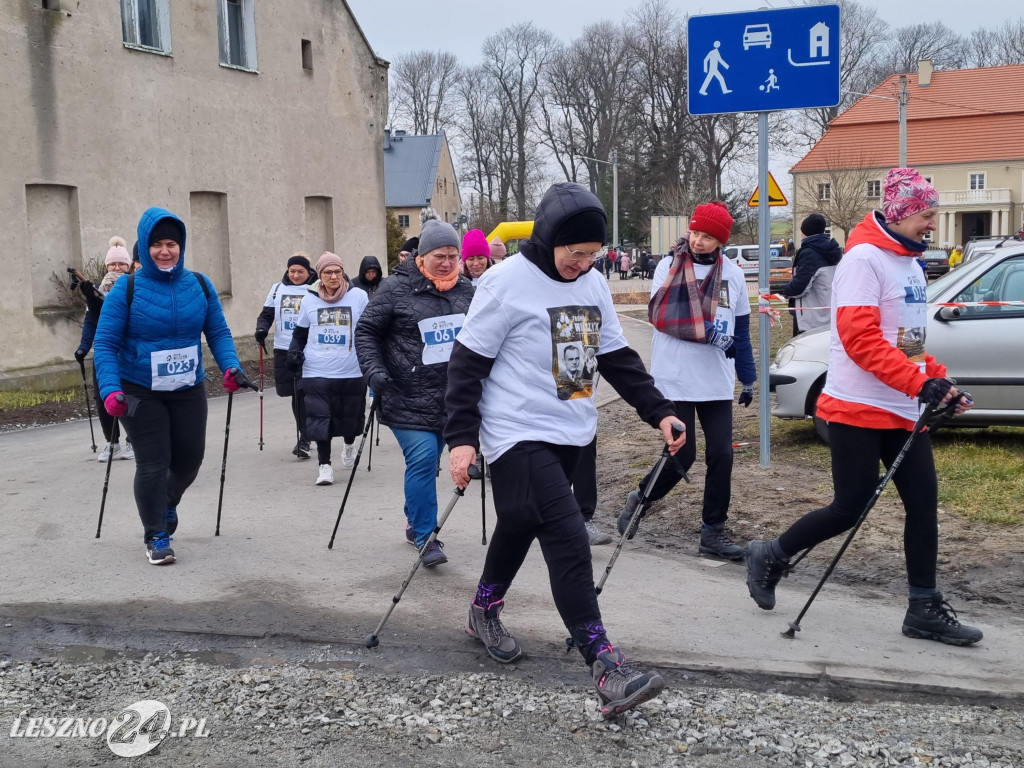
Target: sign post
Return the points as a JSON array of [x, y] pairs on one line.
[[763, 61]]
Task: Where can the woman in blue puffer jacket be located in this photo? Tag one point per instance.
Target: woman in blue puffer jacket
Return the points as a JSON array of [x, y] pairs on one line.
[[149, 362]]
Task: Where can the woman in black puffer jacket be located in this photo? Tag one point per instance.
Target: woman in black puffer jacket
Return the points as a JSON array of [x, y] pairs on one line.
[[403, 341]]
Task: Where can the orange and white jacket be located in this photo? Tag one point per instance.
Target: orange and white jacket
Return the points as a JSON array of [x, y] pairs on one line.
[[877, 359]]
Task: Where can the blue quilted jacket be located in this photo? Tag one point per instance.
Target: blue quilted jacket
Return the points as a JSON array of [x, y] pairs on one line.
[[169, 311]]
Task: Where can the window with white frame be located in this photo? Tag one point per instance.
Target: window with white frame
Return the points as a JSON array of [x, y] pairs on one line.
[[977, 181], [146, 24], [825, 191], [236, 23], [874, 188]]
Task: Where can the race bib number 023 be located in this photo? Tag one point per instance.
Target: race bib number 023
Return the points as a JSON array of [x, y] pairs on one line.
[[438, 334], [173, 369]]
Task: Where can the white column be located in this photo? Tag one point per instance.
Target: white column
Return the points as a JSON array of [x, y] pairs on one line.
[[943, 223]]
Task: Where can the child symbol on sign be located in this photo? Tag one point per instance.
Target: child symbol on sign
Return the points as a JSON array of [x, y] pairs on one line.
[[772, 83]]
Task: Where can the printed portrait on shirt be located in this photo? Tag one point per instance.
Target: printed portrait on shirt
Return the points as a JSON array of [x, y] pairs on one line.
[[575, 343]]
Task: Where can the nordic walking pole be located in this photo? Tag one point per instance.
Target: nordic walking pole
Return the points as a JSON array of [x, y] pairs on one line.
[[483, 501], [664, 459], [925, 417], [224, 458], [114, 437], [260, 396], [88, 405], [372, 639], [369, 456], [352, 475]]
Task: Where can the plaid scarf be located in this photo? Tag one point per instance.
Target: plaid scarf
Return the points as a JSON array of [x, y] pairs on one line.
[[680, 306]]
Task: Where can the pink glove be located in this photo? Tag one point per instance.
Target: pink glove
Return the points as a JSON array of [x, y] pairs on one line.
[[116, 404], [230, 384]]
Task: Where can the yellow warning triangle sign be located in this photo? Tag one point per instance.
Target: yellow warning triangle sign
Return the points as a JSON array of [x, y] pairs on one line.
[[775, 196]]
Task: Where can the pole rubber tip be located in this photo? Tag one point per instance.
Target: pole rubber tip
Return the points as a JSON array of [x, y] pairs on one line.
[[372, 641], [791, 632]]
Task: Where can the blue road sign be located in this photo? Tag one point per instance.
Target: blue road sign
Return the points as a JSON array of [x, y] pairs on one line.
[[761, 61]]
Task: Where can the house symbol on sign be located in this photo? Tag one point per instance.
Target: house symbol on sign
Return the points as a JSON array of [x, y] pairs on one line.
[[818, 47]]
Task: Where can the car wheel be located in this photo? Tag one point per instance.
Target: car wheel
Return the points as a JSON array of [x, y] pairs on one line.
[[820, 425]]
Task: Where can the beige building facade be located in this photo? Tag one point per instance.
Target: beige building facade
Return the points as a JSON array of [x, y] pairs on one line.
[[963, 133], [259, 124]]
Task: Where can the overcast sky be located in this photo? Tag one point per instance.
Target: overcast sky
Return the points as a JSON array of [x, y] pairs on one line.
[[460, 26]]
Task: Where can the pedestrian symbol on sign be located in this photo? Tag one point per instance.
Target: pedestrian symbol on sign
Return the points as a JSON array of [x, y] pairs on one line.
[[711, 64]]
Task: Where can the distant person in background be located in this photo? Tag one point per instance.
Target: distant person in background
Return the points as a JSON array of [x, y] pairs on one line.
[[476, 255], [498, 249], [370, 275], [956, 257], [624, 264], [810, 289], [408, 248]]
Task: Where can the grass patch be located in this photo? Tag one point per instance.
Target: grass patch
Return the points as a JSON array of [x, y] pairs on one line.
[[632, 297], [981, 474], [26, 398]]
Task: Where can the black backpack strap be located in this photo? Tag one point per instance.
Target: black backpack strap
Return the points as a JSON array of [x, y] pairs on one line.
[[204, 282]]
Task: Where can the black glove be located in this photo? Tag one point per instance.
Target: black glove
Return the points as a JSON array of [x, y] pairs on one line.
[[934, 390], [261, 336], [80, 354], [295, 361], [379, 382], [746, 395], [717, 339], [240, 379]]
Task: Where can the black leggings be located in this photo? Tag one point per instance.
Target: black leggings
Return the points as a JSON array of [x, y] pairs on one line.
[[533, 500], [168, 432], [856, 452], [716, 422], [584, 480], [106, 420]]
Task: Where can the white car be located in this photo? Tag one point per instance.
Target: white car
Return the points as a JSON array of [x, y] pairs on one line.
[[757, 34], [982, 346]]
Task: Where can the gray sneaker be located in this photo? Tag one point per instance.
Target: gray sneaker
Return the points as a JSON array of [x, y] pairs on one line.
[[620, 685], [597, 536], [632, 501], [485, 626], [434, 554]]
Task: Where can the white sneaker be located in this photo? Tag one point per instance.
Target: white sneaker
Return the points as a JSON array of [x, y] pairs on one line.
[[595, 534], [128, 452], [348, 456], [326, 476], [110, 449]]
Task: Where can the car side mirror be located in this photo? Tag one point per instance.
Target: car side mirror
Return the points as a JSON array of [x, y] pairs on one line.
[[950, 313]]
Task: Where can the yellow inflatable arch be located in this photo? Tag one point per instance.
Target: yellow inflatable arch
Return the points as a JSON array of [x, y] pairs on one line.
[[511, 230]]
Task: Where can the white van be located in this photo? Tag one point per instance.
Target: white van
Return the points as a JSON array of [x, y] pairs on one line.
[[746, 257]]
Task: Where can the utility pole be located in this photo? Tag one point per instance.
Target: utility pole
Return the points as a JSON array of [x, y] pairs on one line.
[[903, 121], [613, 161]]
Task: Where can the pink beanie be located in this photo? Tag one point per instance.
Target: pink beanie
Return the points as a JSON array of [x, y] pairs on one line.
[[118, 253], [328, 259], [474, 243], [906, 192], [498, 249]]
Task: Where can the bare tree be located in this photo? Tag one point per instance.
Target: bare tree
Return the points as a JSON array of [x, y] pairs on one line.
[[994, 48], [516, 57], [863, 36], [838, 191], [910, 44], [422, 85]]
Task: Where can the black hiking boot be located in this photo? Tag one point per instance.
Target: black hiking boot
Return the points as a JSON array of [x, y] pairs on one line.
[[632, 501], [932, 618], [620, 685], [485, 626], [714, 541], [764, 571]]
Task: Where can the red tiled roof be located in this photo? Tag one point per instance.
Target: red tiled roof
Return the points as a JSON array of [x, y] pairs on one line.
[[966, 115]]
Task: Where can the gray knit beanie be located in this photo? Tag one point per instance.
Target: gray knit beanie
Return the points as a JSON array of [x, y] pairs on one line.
[[437, 234]]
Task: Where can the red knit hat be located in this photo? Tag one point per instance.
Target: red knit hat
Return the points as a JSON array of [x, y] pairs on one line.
[[474, 243], [714, 219]]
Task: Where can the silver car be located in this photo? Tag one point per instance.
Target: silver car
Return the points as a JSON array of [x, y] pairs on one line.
[[981, 345]]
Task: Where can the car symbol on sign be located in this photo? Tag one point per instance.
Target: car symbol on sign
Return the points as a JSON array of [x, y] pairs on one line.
[[757, 34]]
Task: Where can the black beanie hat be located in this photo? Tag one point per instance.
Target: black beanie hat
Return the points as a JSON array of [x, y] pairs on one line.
[[588, 226], [301, 261], [167, 229], [410, 245], [813, 225], [135, 251]]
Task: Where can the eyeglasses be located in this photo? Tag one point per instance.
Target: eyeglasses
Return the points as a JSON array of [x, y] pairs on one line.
[[330, 272], [584, 257], [445, 257]]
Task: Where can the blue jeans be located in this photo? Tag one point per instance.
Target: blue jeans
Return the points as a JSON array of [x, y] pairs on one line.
[[422, 450]]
